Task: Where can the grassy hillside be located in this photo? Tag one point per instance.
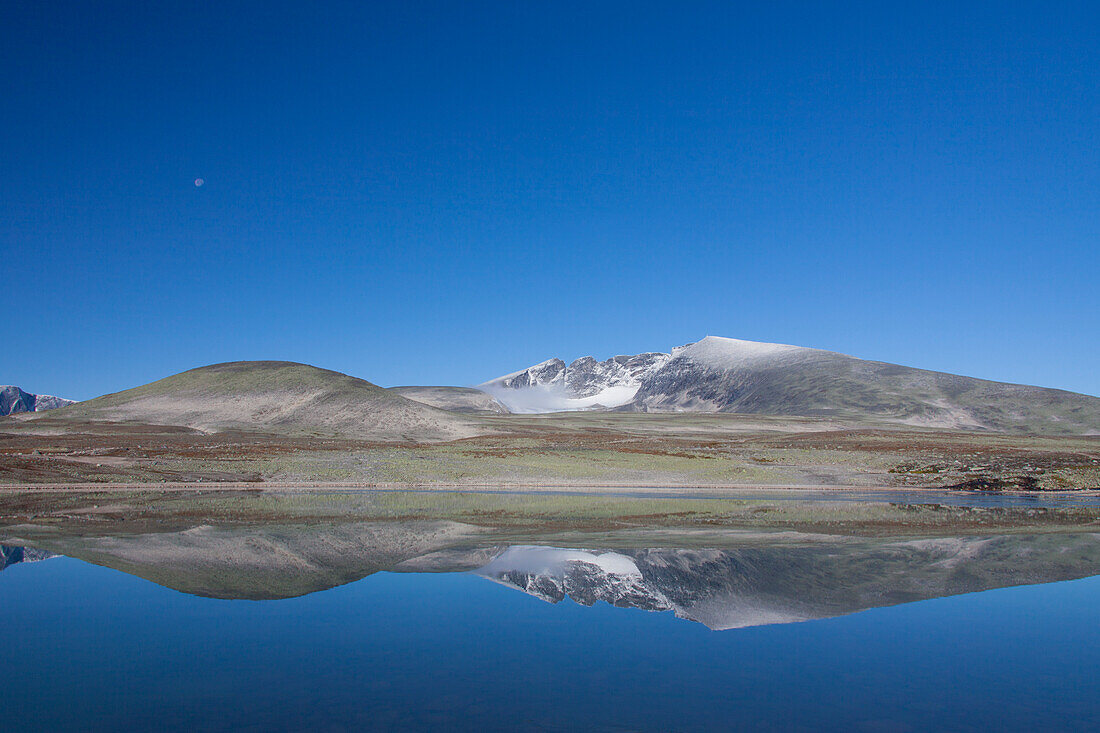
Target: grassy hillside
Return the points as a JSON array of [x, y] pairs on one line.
[[276, 396]]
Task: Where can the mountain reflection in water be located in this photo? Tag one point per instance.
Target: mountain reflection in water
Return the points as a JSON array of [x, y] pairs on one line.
[[759, 580], [734, 588]]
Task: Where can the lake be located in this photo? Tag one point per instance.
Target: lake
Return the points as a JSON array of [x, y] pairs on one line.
[[391, 627]]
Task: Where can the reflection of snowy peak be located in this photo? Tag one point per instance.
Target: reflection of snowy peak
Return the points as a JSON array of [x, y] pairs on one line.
[[695, 584], [11, 555], [750, 586], [552, 574], [767, 579], [584, 384]]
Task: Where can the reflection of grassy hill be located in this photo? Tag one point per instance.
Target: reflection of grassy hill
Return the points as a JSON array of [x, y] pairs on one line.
[[275, 396], [264, 563], [721, 579]]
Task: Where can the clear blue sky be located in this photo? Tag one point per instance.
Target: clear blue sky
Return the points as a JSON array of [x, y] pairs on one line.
[[444, 192]]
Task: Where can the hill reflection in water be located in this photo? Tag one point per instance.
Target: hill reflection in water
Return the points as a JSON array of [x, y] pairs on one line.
[[440, 626], [753, 580]]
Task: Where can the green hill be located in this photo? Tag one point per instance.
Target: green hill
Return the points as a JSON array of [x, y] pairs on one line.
[[276, 396]]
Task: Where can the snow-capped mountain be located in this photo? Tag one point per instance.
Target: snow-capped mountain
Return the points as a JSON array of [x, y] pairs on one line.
[[585, 384], [13, 400], [731, 375]]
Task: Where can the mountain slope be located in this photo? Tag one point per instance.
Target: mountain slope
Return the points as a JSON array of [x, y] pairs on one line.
[[455, 399], [730, 375], [14, 400], [276, 396]]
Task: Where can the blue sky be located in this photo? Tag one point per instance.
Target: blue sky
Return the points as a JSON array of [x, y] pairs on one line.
[[444, 192]]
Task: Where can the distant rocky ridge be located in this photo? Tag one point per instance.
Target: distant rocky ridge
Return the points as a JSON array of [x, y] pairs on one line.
[[730, 375], [14, 400]]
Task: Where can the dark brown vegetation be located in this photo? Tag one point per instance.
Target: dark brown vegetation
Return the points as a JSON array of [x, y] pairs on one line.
[[610, 449]]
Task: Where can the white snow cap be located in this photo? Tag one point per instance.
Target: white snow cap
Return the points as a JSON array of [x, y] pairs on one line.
[[553, 561], [726, 352], [553, 398]]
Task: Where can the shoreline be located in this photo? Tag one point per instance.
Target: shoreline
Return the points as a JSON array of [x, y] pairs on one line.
[[504, 488]]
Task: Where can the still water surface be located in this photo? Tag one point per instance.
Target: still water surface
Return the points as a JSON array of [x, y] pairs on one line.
[[92, 648]]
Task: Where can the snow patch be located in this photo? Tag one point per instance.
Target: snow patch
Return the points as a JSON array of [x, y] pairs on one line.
[[727, 353], [554, 561], [555, 398]]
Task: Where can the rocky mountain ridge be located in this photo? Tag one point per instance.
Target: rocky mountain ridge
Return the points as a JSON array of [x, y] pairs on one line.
[[14, 400], [584, 384]]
